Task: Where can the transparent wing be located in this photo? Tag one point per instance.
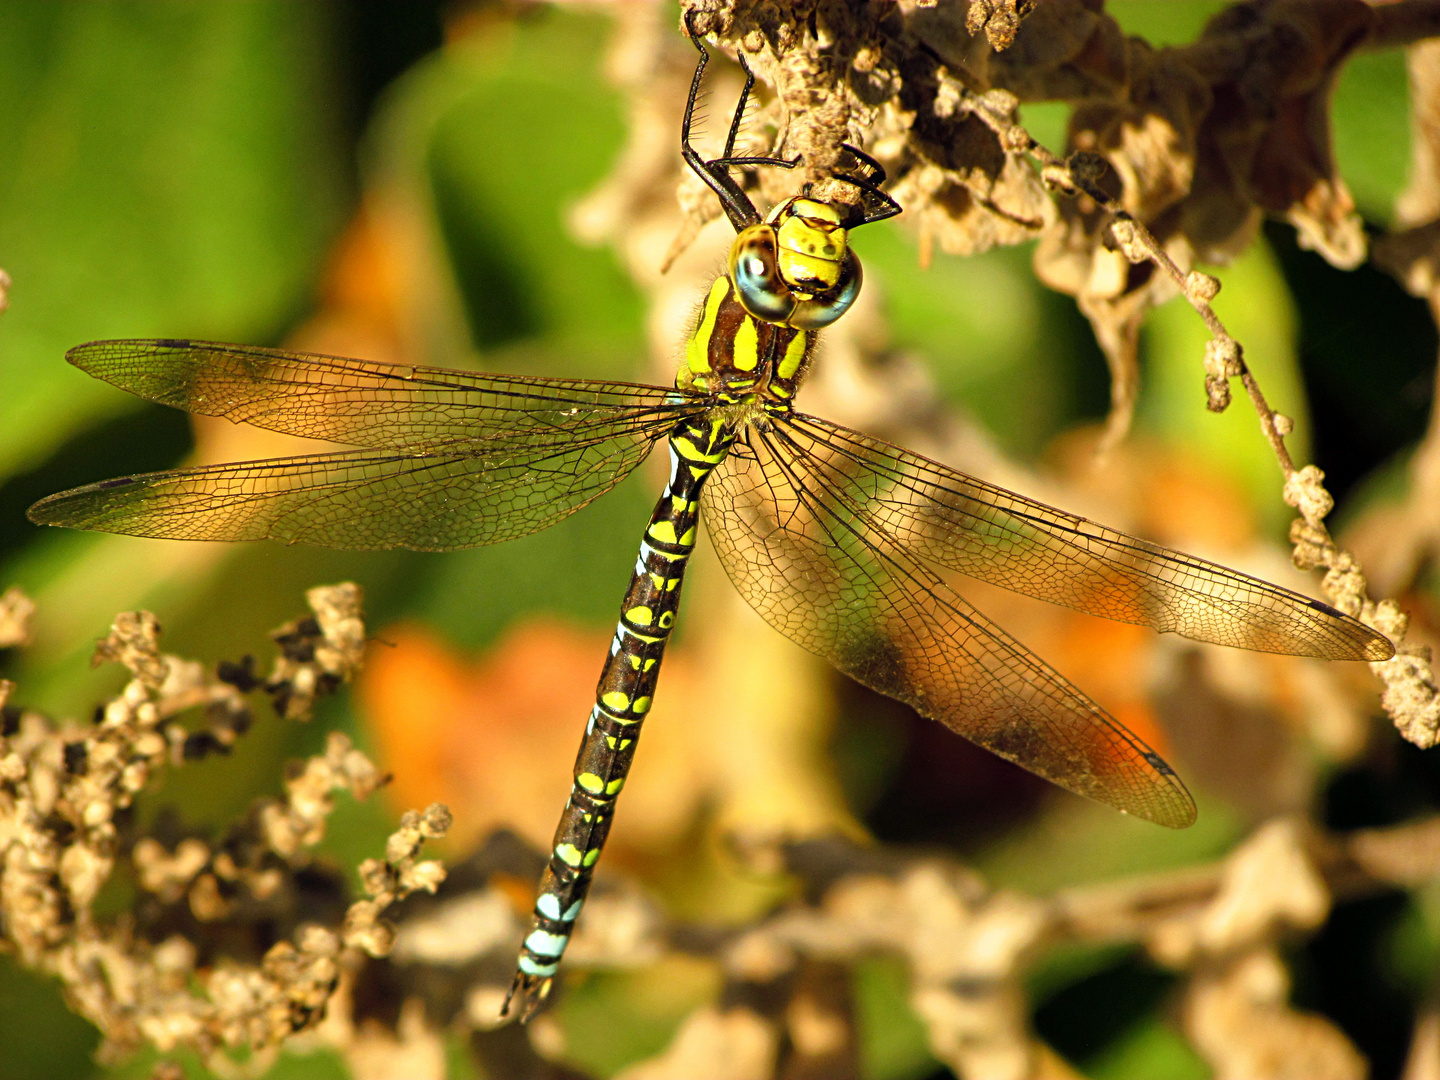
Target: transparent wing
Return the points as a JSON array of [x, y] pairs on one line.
[[364, 498], [792, 532], [450, 459], [937, 514], [360, 403]]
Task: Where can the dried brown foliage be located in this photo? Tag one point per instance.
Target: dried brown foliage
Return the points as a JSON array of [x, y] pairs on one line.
[[1173, 157], [782, 1007], [169, 973]]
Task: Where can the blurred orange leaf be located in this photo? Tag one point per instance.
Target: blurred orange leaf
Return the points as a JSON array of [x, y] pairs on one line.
[[494, 737]]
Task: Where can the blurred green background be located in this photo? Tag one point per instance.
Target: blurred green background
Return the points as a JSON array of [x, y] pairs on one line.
[[186, 170]]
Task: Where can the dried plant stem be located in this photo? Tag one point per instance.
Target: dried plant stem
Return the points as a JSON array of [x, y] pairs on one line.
[[1402, 22], [968, 946], [158, 979], [1410, 695]]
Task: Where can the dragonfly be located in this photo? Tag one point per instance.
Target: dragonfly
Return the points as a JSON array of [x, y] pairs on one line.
[[836, 538]]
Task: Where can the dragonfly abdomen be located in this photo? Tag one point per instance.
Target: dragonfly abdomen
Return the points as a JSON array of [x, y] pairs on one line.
[[622, 700]]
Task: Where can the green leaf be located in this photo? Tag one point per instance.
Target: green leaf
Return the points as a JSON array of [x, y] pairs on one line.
[[1150, 1050], [166, 168], [994, 339], [1256, 307], [1175, 22], [893, 1043], [1370, 117], [40, 1038]]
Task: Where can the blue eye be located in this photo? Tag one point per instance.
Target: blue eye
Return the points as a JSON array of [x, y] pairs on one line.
[[825, 309], [755, 274]]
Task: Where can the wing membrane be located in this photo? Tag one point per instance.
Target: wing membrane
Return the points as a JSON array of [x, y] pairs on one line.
[[357, 402], [797, 542], [964, 524], [364, 498]]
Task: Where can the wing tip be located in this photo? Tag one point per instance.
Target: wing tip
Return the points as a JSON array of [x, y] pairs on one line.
[[75, 508], [79, 355], [50, 511], [1175, 810], [37, 513], [1175, 813], [1379, 648], [1183, 816], [1367, 642]]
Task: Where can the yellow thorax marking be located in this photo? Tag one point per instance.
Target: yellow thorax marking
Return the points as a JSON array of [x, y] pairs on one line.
[[794, 355], [697, 349], [745, 348]]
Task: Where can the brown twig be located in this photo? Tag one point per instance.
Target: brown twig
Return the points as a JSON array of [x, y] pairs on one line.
[[139, 980], [1410, 694], [1395, 23]]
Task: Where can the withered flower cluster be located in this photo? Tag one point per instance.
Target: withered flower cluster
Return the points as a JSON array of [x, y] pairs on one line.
[[1174, 156], [1172, 159], [166, 974]]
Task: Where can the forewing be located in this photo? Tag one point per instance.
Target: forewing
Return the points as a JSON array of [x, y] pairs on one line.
[[365, 498], [937, 514], [360, 403], [797, 543]]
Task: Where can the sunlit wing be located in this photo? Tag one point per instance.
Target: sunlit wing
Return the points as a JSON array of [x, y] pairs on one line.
[[833, 581], [360, 403], [486, 493], [937, 514]]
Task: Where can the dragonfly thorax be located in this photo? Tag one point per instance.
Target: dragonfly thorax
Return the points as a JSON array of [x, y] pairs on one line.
[[796, 268], [735, 356]]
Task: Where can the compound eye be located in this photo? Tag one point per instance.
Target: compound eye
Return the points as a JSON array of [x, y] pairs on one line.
[[754, 270], [822, 310]]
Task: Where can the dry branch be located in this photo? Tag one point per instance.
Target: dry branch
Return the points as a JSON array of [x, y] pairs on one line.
[[1173, 157], [157, 976]]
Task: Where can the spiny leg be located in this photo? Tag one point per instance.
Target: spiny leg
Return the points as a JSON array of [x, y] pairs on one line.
[[737, 205], [623, 697]]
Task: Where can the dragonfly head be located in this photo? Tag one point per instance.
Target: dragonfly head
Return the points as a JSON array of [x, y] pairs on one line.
[[796, 268]]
